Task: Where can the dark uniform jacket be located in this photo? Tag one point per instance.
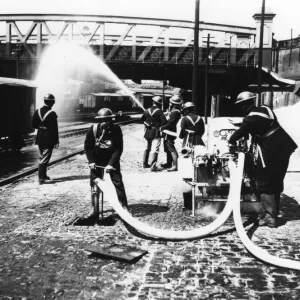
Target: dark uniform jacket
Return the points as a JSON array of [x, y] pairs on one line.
[[107, 151], [195, 123], [274, 142], [174, 117], [47, 135], [153, 119]]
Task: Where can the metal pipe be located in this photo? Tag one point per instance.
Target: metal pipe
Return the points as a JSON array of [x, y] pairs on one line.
[[260, 52], [196, 57]]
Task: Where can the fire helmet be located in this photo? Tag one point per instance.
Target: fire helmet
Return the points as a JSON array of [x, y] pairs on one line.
[[49, 97], [105, 113], [244, 96], [188, 105], [176, 99], [157, 99]]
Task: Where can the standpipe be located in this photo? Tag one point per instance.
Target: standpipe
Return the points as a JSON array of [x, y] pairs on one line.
[[252, 248], [109, 191]]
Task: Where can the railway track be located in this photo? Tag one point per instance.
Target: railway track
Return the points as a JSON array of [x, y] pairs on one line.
[[68, 133], [74, 132]]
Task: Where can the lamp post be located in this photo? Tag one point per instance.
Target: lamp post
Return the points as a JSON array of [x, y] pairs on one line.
[[196, 56], [260, 53]]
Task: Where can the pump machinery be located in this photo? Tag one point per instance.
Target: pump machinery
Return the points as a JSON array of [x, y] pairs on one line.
[[205, 171]]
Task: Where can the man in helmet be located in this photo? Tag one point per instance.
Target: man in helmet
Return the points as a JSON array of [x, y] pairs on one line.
[[275, 147], [193, 122], [45, 121], [153, 119], [103, 147], [174, 116]]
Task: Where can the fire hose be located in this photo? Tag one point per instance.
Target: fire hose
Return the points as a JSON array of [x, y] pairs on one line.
[[233, 203], [252, 248], [109, 191]]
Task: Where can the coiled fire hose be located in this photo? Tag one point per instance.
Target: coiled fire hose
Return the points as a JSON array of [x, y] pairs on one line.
[[109, 191], [252, 248]]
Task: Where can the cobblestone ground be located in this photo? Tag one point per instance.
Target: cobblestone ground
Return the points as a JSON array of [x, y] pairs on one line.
[[42, 254]]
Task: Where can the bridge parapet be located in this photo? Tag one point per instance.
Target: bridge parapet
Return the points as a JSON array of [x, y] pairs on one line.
[[129, 39]]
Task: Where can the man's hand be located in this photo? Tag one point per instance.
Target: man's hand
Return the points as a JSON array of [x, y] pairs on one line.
[[92, 166], [56, 146], [109, 168]]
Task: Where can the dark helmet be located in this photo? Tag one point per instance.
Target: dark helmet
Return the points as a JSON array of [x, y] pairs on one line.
[[105, 113], [176, 99], [244, 96], [157, 99], [188, 105], [49, 97]]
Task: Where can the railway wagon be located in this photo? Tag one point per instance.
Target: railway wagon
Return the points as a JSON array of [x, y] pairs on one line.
[[17, 106], [114, 101]]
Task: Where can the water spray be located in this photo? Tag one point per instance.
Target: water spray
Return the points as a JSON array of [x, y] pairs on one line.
[[63, 61]]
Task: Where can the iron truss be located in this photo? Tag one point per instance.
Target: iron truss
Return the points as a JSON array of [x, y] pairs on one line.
[[134, 40]]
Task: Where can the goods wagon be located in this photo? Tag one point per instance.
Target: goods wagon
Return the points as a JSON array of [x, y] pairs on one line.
[[115, 102], [17, 106]]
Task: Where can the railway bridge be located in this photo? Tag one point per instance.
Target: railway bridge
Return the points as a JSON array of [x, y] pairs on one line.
[[141, 48]]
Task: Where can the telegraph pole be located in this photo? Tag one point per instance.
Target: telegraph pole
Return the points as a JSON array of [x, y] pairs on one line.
[[196, 57], [260, 53], [206, 78]]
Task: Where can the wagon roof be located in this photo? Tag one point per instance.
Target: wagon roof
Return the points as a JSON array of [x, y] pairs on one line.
[[17, 82]]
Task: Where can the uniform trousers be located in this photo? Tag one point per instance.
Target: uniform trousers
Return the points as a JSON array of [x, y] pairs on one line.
[[116, 178], [44, 158], [153, 145], [169, 145]]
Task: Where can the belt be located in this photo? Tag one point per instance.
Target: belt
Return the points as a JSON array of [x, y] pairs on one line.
[[42, 127], [268, 133]]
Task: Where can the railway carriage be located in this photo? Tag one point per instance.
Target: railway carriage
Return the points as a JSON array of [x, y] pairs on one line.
[[114, 101], [17, 106]]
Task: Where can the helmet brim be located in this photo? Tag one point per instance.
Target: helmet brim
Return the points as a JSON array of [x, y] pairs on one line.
[[244, 100], [107, 117], [175, 103]]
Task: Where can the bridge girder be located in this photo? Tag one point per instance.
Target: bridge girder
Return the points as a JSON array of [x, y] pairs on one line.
[[161, 33]]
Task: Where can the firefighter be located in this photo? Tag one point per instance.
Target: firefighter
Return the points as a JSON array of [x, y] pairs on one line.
[[174, 116], [153, 119], [274, 147], [103, 147], [193, 122], [45, 121]]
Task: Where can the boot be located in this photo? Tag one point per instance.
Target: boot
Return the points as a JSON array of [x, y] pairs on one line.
[[175, 162], [154, 166], [269, 205], [168, 164], [145, 159], [277, 201]]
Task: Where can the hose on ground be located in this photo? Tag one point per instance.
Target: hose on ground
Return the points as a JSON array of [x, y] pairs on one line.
[[109, 191], [252, 248]]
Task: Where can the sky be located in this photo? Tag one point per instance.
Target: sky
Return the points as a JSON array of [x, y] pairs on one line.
[[234, 12]]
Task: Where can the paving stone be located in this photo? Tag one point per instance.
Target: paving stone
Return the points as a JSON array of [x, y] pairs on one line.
[[42, 254]]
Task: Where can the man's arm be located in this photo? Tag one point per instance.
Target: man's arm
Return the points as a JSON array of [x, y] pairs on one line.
[[89, 145], [174, 118], [162, 118], [55, 128], [245, 129], [202, 127], [118, 146], [35, 120], [183, 127]]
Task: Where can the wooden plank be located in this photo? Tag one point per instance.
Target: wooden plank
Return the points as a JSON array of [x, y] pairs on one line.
[[117, 252]]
